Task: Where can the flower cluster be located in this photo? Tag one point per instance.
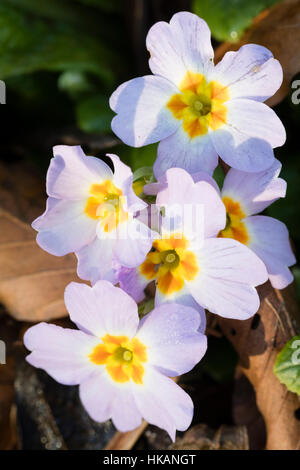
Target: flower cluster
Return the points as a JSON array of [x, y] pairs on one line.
[[199, 246]]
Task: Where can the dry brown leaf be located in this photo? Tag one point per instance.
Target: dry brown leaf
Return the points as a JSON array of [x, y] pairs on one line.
[[258, 341], [126, 440], [32, 282], [201, 437], [278, 29], [8, 433], [7, 429]]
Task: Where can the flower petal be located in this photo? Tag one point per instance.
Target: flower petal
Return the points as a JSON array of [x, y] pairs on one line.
[[143, 117], [227, 276], [254, 191], [174, 344], [103, 400], [97, 395], [179, 150], [189, 196], [132, 282], [125, 413], [101, 309], [64, 227], [269, 239], [182, 45], [71, 173], [134, 242], [95, 261], [163, 403], [245, 142], [182, 298], [61, 352], [153, 189], [123, 179], [251, 73]]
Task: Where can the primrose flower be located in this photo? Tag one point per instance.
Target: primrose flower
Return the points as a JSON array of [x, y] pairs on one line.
[[193, 266], [90, 211], [246, 194], [122, 365], [197, 110]]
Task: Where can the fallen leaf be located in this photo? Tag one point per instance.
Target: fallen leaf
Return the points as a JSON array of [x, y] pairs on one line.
[[201, 437], [32, 282], [278, 29], [8, 334], [258, 341]]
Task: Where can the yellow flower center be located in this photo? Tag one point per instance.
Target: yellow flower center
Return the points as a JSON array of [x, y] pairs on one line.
[[106, 204], [200, 105], [123, 358], [235, 227], [170, 263]]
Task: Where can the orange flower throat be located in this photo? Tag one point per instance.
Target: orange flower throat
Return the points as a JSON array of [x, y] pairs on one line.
[[106, 204], [235, 227], [170, 263], [122, 357], [200, 105]]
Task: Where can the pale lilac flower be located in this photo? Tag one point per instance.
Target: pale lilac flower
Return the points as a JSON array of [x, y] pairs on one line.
[[198, 110], [244, 196], [91, 211], [122, 365], [193, 266]]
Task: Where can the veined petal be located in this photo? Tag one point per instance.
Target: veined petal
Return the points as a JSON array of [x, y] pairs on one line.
[[71, 173], [101, 309], [179, 150], [245, 142], [182, 298], [95, 260], [125, 413], [154, 188], [64, 227], [103, 400], [61, 352], [251, 73], [163, 403], [142, 115], [132, 282], [174, 344], [269, 239], [254, 191], [133, 243], [97, 395], [182, 45], [183, 192], [227, 276], [123, 179]]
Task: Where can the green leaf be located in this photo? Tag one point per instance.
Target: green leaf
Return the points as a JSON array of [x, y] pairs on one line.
[[75, 83], [219, 176], [29, 43], [296, 272], [137, 157], [145, 172], [287, 209], [94, 114], [287, 365], [145, 307], [228, 19], [107, 5]]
